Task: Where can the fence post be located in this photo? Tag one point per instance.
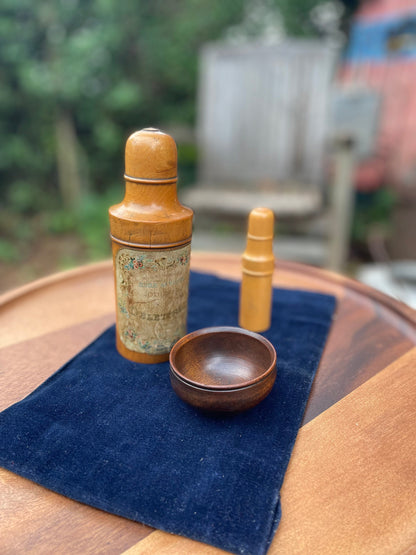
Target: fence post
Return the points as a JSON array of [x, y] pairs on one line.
[[341, 203]]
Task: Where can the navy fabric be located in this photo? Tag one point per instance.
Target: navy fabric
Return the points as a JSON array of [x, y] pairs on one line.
[[113, 434]]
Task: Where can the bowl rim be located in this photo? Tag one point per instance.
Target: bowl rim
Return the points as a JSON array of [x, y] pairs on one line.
[[222, 329]]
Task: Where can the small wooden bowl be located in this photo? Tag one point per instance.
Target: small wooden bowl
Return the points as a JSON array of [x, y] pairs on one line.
[[223, 368]]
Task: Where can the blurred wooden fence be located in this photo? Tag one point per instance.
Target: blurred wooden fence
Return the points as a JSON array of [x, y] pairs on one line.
[[263, 134], [262, 126]]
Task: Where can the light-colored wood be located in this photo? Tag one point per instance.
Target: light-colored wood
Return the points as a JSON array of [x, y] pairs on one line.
[[257, 272], [351, 482], [150, 214], [69, 527], [151, 230], [41, 307], [169, 544], [371, 333], [151, 154]]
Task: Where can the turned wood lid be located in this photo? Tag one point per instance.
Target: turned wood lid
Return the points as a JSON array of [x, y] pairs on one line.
[[258, 258], [150, 155], [261, 224]]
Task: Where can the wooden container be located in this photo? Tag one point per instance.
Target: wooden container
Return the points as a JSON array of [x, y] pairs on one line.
[[151, 239], [257, 265], [223, 369]]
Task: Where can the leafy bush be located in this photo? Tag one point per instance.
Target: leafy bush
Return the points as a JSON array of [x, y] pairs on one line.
[[372, 210]]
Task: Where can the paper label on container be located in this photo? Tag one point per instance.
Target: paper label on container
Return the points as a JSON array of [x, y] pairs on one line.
[[152, 297]]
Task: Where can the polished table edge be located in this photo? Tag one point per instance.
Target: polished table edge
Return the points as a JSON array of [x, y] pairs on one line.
[[58, 277], [394, 305]]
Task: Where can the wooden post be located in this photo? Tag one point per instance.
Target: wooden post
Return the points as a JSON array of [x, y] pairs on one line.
[[68, 162], [341, 204]]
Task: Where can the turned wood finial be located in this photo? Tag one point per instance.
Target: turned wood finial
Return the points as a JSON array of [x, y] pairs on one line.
[[258, 265], [151, 154]]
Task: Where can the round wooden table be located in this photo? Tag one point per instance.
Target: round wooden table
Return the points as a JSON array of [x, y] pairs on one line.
[[351, 482]]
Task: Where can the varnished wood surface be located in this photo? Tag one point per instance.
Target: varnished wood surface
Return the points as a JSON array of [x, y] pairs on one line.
[[223, 368], [350, 486], [257, 264]]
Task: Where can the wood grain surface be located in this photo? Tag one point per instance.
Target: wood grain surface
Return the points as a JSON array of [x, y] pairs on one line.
[[225, 369], [351, 483]]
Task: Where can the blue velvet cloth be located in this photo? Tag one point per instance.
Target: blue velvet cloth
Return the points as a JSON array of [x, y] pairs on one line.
[[113, 434]]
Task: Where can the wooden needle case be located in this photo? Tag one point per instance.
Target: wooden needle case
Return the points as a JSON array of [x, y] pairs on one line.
[[257, 265], [151, 240]]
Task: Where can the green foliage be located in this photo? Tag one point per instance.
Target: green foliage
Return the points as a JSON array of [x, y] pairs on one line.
[[23, 198], [295, 17], [61, 221], [372, 210], [187, 162], [94, 225], [89, 222], [81, 76], [113, 67], [8, 251]]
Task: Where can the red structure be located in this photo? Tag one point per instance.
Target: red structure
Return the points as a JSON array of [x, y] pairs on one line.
[[381, 55]]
